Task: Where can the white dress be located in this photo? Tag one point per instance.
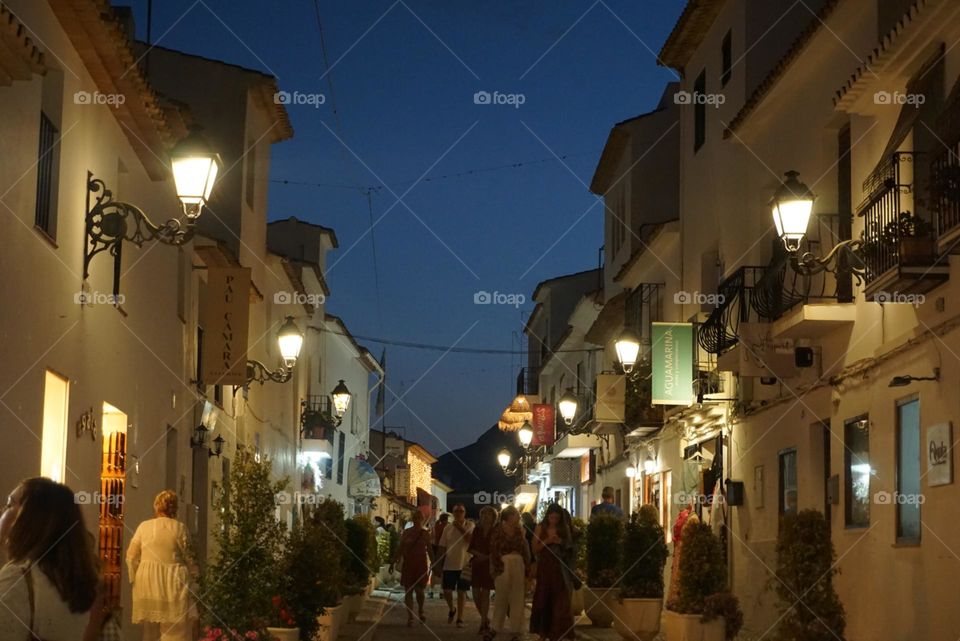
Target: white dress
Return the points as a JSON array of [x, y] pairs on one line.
[[157, 561], [52, 618]]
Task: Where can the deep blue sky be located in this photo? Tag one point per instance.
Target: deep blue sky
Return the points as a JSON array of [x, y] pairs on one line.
[[404, 99]]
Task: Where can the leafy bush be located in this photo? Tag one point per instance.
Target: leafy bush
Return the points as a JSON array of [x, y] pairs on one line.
[[580, 540], [643, 556], [603, 550], [726, 605], [303, 567], [363, 556], [383, 548], [805, 570], [243, 577], [328, 533]]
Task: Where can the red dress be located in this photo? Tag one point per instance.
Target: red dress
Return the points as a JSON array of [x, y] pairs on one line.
[[415, 563], [480, 567]]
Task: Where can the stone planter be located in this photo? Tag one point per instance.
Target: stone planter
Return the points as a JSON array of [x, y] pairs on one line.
[[600, 605], [918, 252], [638, 619], [576, 602], [329, 623], [687, 627], [352, 603], [284, 634]]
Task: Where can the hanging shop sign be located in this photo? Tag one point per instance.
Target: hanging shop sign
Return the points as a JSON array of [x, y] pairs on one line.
[[225, 319], [364, 482], [544, 423], [672, 363], [939, 455]]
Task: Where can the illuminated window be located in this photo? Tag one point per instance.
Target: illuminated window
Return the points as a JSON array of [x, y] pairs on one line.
[[856, 440], [53, 452], [788, 482], [908, 496]]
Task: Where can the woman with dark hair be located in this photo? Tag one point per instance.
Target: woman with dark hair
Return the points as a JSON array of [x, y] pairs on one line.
[[551, 617], [49, 584], [160, 573], [415, 555], [481, 581]]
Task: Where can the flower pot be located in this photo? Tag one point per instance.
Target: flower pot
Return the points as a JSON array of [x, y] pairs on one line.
[[329, 623], [687, 627], [576, 602], [353, 603], [599, 604], [284, 634], [917, 251], [638, 618]]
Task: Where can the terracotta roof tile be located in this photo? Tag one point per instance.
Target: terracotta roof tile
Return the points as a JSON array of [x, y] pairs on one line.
[[690, 28], [20, 58]]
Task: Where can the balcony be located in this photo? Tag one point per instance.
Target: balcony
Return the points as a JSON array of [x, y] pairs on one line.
[[945, 196], [900, 244], [641, 417], [317, 422], [720, 331], [528, 381]]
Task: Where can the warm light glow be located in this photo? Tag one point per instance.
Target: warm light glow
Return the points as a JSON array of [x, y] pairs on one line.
[[627, 348], [341, 398], [525, 434], [503, 458], [650, 465], [195, 168], [791, 206], [631, 472], [568, 406], [53, 447], [290, 340]]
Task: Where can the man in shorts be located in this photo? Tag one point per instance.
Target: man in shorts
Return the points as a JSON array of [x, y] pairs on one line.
[[454, 543]]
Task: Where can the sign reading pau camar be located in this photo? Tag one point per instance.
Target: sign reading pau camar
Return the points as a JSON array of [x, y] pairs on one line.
[[225, 318], [672, 363]]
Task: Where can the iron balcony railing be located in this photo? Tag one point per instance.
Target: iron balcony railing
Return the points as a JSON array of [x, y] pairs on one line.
[[528, 381], [317, 419], [720, 331], [643, 308], [945, 187]]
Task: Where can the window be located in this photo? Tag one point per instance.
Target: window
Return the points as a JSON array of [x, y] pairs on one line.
[[53, 448], [699, 111], [856, 441], [45, 217], [199, 373], [341, 453], [907, 501], [250, 187], [726, 54], [788, 482]]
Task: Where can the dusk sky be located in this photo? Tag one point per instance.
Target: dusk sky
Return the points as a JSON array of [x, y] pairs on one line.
[[404, 76]]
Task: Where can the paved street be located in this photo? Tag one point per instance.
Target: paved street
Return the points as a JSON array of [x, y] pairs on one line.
[[383, 618]]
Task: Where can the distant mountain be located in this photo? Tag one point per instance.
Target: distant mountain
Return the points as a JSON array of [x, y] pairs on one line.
[[473, 469]]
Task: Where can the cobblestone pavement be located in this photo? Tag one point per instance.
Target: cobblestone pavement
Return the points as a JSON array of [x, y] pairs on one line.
[[384, 618]]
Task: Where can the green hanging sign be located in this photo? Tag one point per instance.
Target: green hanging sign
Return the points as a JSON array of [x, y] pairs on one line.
[[672, 362]]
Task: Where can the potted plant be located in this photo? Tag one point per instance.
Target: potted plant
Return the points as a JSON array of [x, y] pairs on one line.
[[328, 531], [303, 568], [580, 565], [241, 580], [283, 625], [603, 558], [361, 541], [704, 610], [805, 567], [642, 559], [910, 237]]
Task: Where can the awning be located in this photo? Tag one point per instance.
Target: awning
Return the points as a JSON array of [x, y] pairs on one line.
[[363, 480]]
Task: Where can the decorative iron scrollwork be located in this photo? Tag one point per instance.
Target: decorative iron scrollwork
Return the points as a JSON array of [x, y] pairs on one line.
[[808, 264], [257, 372]]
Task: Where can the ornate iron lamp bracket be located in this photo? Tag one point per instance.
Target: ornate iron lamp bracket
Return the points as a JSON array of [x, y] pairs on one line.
[[110, 222], [807, 264], [257, 372]]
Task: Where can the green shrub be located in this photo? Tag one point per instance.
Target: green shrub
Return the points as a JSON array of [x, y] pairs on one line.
[[329, 532], [811, 609], [303, 570], [363, 557], [643, 556], [580, 540], [603, 550]]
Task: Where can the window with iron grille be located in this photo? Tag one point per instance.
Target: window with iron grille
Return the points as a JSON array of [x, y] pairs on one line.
[[726, 54], [45, 215], [699, 111], [341, 447]]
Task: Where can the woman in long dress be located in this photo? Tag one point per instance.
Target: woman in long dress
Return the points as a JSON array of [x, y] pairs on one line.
[[158, 561], [551, 615], [415, 554], [481, 581], [509, 559]]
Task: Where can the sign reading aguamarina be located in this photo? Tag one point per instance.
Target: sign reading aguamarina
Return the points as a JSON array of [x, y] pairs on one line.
[[225, 320], [672, 363]]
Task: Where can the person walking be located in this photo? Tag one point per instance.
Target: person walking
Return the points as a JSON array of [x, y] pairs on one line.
[[454, 544], [415, 555], [436, 571], [481, 581], [551, 617], [157, 560], [49, 584], [509, 560], [608, 504]]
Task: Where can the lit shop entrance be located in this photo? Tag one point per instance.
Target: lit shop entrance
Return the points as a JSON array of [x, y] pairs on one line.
[[111, 499]]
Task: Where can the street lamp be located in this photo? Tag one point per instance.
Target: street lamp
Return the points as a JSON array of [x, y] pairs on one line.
[[341, 399], [791, 206], [568, 406], [631, 472], [628, 349], [650, 465], [503, 458], [290, 340], [109, 222], [525, 434]]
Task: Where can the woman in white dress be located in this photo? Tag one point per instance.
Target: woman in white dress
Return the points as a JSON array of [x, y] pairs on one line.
[[158, 563], [49, 585]]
